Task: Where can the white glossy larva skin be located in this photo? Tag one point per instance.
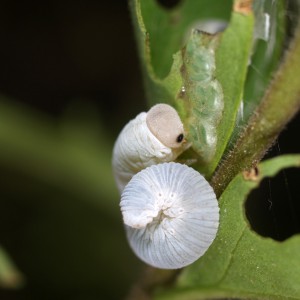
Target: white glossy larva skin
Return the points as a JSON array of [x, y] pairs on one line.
[[171, 215], [137, 147]]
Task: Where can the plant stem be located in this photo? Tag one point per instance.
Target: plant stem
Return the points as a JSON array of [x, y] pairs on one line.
[[279, 105]]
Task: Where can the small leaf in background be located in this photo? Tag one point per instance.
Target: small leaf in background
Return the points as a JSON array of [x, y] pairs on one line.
[[10, 276], [241, 263]]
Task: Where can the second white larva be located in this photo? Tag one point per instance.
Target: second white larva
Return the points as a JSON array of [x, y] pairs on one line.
[[151, 138], [171, 215]]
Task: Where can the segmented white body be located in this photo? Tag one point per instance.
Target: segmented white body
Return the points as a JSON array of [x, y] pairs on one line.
[[137, 148], [170, 211], [171, 215]]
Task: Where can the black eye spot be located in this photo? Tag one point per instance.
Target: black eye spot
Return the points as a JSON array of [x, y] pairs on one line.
[[179, 138]]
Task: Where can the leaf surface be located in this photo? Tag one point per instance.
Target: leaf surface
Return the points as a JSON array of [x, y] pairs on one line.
[[168, 72], [241, 263]]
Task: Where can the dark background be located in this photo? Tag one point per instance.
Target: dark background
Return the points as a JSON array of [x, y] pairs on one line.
[[61, 61], [54, 52]]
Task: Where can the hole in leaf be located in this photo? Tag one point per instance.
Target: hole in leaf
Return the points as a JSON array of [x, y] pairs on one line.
[[273, 209], [169, 4]]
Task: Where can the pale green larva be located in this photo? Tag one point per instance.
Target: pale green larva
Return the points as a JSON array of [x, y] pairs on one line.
[[204, 93], [171, 215], [151, 138]]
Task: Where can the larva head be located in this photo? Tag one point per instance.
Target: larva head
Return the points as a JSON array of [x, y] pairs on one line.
[[165, 124]]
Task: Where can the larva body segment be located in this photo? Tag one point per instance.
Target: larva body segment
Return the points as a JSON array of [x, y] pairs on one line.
[[171, 215], [137, 147]]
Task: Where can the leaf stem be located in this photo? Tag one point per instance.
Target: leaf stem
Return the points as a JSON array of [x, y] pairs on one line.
[[279, 105]]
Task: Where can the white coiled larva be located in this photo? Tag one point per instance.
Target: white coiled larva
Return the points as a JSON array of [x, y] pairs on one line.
[[171, 215], [150, 138]]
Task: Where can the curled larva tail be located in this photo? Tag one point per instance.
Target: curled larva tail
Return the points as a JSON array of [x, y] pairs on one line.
[[171, 215]]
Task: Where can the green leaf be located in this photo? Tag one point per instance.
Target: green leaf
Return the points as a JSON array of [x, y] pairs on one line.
[[161, 33], [232, 58], [10, 276], [268, 47], [240, 263], [280, 104], [266, 53], [169, 56]]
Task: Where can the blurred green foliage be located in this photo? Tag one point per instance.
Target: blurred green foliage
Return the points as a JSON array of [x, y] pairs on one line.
[[59, 211], [66, 100]]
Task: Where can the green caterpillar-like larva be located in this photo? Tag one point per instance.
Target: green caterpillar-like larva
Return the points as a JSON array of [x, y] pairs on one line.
[[203, 92]]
